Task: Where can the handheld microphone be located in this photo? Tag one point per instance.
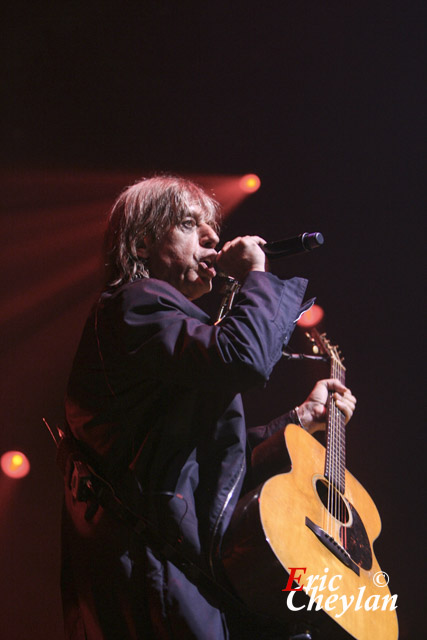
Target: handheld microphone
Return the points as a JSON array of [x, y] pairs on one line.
[[290, 246]]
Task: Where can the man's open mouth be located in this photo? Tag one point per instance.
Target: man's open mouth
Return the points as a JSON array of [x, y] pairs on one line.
[[207, 266]]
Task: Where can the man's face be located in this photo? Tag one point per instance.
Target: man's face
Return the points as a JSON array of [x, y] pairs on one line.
[[185, 256]]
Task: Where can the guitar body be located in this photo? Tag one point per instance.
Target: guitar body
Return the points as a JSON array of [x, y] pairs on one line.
[[288, 523]]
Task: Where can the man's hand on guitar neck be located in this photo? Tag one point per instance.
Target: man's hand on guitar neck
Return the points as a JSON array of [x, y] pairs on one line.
[[313, 413]]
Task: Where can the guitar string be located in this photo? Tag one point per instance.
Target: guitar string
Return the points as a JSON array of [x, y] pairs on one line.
[[337, 374], [331, 454], [337, 458], [327, 469], [335, 465], [334, 457], [341, 451], [343, 460], [331, 444], [342, 437], [331, 474]]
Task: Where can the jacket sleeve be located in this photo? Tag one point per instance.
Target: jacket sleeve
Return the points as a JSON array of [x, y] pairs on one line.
[[164, 336], [256, 435]]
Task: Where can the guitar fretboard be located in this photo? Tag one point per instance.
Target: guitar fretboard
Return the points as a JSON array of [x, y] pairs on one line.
[[335, 431]]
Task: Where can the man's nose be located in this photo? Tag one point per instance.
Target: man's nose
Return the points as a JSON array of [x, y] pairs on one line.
[[208, 237]]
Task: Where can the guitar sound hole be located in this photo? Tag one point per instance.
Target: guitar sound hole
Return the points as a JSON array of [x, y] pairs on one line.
[[332, 500]]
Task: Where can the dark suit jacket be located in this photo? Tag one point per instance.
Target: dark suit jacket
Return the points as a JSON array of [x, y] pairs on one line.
[[154, 399]]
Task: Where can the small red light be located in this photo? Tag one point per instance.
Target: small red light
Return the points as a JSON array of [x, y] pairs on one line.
[[15, 464], [312, 317], [250, 183]]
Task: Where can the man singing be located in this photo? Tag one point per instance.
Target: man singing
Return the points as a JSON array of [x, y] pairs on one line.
[[153, 405]]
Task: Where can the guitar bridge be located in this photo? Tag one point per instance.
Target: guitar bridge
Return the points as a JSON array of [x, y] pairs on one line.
[[333, 546]]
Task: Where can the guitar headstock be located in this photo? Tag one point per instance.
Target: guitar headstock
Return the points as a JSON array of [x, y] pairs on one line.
[[323, 345]]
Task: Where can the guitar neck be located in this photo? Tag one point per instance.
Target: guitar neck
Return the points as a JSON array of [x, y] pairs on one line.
[[335, 434]]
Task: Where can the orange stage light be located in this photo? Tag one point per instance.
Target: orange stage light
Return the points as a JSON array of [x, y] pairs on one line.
[[250, 183], [15, 464], [312, 317]]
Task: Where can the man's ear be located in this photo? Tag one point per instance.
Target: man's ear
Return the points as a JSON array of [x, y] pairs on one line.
[[143, 251]]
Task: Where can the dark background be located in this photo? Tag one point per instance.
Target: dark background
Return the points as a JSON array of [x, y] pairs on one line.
[[325, 102]]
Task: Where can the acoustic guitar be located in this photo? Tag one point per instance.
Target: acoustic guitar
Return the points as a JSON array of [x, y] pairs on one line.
[[299, 546]]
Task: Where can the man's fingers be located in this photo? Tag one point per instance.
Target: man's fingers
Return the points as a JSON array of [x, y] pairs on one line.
[[345, 403], [258, 240], [241, 255], [333, 384]]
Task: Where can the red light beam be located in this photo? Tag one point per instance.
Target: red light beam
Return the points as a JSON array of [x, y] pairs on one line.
[[15, 464], [250, 183], [312, 317]]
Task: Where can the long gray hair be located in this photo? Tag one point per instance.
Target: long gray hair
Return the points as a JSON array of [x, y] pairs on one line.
[[148, 208]]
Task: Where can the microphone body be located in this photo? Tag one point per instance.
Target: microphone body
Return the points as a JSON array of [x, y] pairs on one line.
[[290, 246]]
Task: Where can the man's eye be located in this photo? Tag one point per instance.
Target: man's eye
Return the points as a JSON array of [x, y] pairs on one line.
[[188, 223]]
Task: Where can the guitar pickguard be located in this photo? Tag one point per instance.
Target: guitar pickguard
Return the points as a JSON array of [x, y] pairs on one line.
[[357, 541]]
